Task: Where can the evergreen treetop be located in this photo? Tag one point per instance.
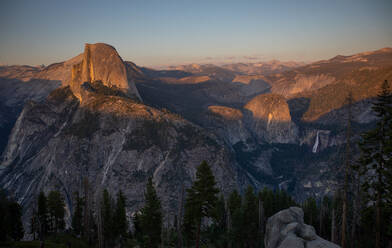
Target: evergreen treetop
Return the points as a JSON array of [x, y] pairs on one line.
[[150, 218]]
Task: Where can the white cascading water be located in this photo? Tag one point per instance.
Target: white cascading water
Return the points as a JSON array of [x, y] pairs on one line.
[[316, 143]]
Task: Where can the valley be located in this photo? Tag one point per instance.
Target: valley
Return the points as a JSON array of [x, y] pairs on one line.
[[116, 124]]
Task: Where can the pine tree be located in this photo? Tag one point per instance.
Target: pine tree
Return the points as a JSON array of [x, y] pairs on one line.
[[310, 212], [56, 210], [107, 218], [15, 224], [375, 162], [42, 215], [219, 226], [347, 172], [201, 199], [250, 217], [87, 211], [336, 214], [120, 216], [357, 206], [3, 216], [77, 218], [151, 217], [266, 195], [325, 218], [99, 211], [34, 226], [261, 217], [179, 218], [11, 226], [138, 234], [235, 230], [234, 201]]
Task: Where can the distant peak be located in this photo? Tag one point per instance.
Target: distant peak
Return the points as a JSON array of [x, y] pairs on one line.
[[99, 44], [356, 55], [386, 49]]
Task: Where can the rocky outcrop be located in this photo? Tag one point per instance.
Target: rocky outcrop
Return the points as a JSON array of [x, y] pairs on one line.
[[230, 114], [270, 119], [287, 229], [101, 62], [228, 123]]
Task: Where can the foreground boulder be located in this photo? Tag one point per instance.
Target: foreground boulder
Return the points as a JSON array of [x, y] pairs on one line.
[[287, 229]]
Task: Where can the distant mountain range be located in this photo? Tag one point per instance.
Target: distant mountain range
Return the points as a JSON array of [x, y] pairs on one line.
[[264, 67], [95, 116]]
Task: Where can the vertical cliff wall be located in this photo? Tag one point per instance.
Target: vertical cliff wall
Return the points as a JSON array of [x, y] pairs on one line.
[[101, 62]]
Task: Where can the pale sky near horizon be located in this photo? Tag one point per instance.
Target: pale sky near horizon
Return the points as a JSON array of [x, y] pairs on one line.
[[159, 32]]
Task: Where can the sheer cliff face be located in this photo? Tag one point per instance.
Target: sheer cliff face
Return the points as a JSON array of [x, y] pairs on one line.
[[270, 119], [101, 62]]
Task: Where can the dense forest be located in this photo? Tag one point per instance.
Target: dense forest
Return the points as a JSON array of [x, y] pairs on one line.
[[358, 214]]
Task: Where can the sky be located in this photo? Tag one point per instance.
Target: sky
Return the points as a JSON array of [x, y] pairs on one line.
[[168, 32]]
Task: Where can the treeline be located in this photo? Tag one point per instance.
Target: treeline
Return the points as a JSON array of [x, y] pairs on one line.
[[204, 217], [48, 215], [11, 227], [99, 225]]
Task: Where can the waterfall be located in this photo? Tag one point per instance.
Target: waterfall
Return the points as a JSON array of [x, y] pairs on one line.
[[316, 143]]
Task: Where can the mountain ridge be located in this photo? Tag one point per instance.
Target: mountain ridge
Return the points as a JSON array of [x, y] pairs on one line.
[[260, 130]]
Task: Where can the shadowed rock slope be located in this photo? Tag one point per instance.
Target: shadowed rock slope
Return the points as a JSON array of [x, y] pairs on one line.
[[113, 141]]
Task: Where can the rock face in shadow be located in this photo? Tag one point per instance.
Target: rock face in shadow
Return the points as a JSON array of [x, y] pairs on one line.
[[286, 229], [114, 142], [270, 119], [228, 123], [101, 62]]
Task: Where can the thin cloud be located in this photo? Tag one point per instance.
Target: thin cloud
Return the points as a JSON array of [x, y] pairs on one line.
[[251, 57]]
